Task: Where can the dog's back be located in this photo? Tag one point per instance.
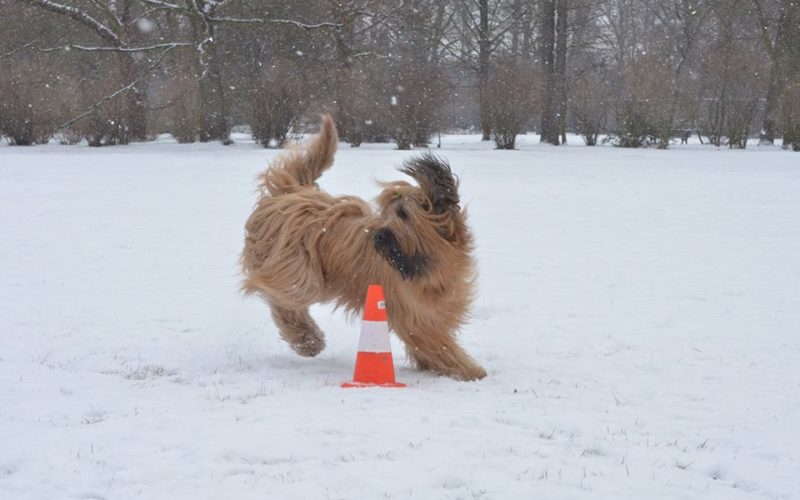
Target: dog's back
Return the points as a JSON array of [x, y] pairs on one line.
[[288, 207], [299, 169]]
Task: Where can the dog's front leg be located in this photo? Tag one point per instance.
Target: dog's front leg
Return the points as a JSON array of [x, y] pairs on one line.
[[298, 328]]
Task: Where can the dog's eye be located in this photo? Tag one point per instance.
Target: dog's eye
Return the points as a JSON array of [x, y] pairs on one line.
[[426, 205], [401, 212]]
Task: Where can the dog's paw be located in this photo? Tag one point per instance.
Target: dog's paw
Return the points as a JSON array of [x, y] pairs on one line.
[[471, 373], [309, 348], [464, 372]]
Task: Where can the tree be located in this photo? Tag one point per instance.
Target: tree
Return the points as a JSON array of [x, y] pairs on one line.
[[553, 57], [416, 86], [547, 45], [481, 30], [787, 47], [681, 23], [729, 75], [115, 32]]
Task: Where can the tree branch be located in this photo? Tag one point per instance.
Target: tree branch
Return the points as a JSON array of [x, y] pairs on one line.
[[21, 47], [78, 15], [257, 20], [148, 48], [766, 39], [371, 53], [110, 15], [325, 24], [167, 5]]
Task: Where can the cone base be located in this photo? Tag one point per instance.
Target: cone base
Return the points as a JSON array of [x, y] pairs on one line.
[[350, 385], [374, 369]]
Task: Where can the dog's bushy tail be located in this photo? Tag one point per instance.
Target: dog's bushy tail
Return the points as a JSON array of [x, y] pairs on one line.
[[299, 168]]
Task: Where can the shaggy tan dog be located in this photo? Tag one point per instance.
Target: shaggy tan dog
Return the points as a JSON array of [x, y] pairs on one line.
[[304, 246]]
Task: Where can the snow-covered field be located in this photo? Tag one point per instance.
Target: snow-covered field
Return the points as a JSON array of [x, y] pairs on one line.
[[639, 315]]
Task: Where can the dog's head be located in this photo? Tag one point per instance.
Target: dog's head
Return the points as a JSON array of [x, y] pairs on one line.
[[422, 227]]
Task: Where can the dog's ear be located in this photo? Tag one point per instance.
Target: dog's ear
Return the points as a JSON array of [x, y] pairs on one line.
[[435, 178]]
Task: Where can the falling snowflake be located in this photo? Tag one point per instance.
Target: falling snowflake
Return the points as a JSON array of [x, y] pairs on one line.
[[145, 25]]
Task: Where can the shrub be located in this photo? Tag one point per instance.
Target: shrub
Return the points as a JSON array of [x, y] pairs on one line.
[[278, 101], [27, 113], [589, 109], [510, 99]]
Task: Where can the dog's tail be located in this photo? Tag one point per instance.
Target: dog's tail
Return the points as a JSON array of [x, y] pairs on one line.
[[299, 168]]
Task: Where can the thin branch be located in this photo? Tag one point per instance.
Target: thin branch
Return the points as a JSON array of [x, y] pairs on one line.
[[497, 38], [166, 5], [305, 26], [224, 3], [115, 49], [145, 14], [254, 20], [766, 39], [110, 15], [371, 53], [461, 58], [257, 20], [21, 47]]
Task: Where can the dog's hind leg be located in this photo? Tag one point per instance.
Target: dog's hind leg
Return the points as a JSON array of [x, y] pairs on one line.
[[436, 350], [299, 330]]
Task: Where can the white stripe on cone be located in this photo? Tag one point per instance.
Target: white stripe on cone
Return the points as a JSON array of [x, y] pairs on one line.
[[374, 337]]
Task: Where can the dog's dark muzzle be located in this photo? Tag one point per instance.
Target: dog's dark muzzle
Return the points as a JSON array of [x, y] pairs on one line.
[[409, 266], [384, 238]]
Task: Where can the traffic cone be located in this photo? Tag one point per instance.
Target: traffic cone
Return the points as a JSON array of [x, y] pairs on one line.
[[374, 366]]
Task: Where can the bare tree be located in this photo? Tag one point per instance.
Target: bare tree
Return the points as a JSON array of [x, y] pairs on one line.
[[482, 28], [416, 87], [729, 79], [553, 45], [770, 19], [112, 25], [682, 22]]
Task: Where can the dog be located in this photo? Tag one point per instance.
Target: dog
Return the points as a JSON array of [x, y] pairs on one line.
[[304, 246]]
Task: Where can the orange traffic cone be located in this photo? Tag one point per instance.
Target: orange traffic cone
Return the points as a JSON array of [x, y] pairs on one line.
[[374, 366]]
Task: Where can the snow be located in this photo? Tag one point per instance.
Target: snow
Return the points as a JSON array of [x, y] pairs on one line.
[[638, 315]]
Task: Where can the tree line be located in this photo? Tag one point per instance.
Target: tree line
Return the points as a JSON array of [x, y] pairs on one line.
[[636, 72]]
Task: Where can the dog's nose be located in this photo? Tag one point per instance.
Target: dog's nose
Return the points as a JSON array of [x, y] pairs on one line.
[[382, 236]]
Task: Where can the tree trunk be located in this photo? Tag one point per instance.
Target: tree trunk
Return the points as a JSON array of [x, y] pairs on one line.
[[769, 125], [527, 35], [787, 58], [345, 88], [135, 99], [549, 132], [561, 67], [220, 127], [135, 118], [484, 48], [212, 113]]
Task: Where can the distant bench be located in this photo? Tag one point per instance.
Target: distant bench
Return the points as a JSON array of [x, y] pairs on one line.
[[682, 134]]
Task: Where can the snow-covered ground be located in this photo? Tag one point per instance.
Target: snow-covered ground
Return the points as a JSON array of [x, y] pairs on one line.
[[639, 315]]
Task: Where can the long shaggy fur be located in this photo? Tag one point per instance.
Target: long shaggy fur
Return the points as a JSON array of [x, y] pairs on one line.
[[304, 246]]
